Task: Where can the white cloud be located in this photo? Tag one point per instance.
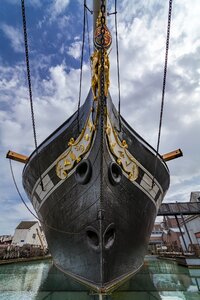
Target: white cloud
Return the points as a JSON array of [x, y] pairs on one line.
[[58, 7], [54, 99], [15, 36], [63, 23], [75, 49]]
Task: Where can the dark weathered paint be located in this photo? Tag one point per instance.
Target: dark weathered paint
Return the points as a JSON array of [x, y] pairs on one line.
[[74, 208]]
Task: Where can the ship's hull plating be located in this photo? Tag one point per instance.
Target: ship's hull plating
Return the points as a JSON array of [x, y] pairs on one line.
[[97, 231]]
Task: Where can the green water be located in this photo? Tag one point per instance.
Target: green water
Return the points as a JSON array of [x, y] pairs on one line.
[[157, 280]]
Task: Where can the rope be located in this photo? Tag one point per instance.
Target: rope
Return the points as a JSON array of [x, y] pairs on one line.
[[81, 72], [163, 87], [30, 86], [118, 72]]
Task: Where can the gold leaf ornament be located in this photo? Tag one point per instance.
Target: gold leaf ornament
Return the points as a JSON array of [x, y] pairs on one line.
[[72, 156], [87, 137], [124, 144], [67, 163], [71, 142]]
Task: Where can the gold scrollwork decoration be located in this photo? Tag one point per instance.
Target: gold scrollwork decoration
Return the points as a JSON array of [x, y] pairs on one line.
[[77, 148], [120, 151], [96, 73]]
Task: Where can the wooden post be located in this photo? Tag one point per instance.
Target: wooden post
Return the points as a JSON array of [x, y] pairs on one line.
[[16, 156], [172, 155]]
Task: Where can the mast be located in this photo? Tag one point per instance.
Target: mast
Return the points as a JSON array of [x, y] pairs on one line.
[[102, 41], [96, 10]]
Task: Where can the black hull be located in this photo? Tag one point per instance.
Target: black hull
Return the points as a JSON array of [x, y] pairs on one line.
[[58, 282], [97, 231]]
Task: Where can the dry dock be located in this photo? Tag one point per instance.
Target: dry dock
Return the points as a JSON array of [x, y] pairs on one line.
[[23, 259], [183, 260]]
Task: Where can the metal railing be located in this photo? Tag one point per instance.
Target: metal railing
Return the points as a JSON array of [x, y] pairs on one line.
[[184, 208]]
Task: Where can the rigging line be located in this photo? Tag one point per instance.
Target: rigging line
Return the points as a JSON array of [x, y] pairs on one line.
[[113, 13], [81, 72], [20, 195], [88, 35], [164, 85], [118, 72], [30, 87], [22, 199], [88, 9]]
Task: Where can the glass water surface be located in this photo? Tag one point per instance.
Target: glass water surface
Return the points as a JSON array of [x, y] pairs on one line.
[[158, 279]]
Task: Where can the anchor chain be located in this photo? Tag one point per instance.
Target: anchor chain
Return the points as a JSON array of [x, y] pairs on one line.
[[163, 88], [102, 105], [102, 92], [30, 90]]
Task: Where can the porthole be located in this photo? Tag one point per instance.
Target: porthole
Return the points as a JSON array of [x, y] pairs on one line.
[[92, 238], [109, 236], [83, 171], [114, 173]]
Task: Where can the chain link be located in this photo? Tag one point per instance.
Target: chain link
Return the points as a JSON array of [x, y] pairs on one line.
[[163, 87], [102, 95], [30, 88], [102, 105]]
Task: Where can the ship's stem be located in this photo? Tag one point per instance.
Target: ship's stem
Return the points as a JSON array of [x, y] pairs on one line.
[[101, 80], [100, 297]]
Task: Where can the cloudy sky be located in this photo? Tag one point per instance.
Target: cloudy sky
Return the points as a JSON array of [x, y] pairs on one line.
[[55, 33]]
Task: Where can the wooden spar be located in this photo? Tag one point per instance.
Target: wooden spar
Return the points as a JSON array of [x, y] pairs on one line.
[[172, 155], [16, 156], [23, 158], [96, 9]]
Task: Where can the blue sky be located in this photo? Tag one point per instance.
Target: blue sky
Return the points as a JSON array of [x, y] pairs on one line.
[[55, 33]]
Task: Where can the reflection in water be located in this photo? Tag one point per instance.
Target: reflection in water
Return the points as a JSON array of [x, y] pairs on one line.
[[22, 281], [157, 280]]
